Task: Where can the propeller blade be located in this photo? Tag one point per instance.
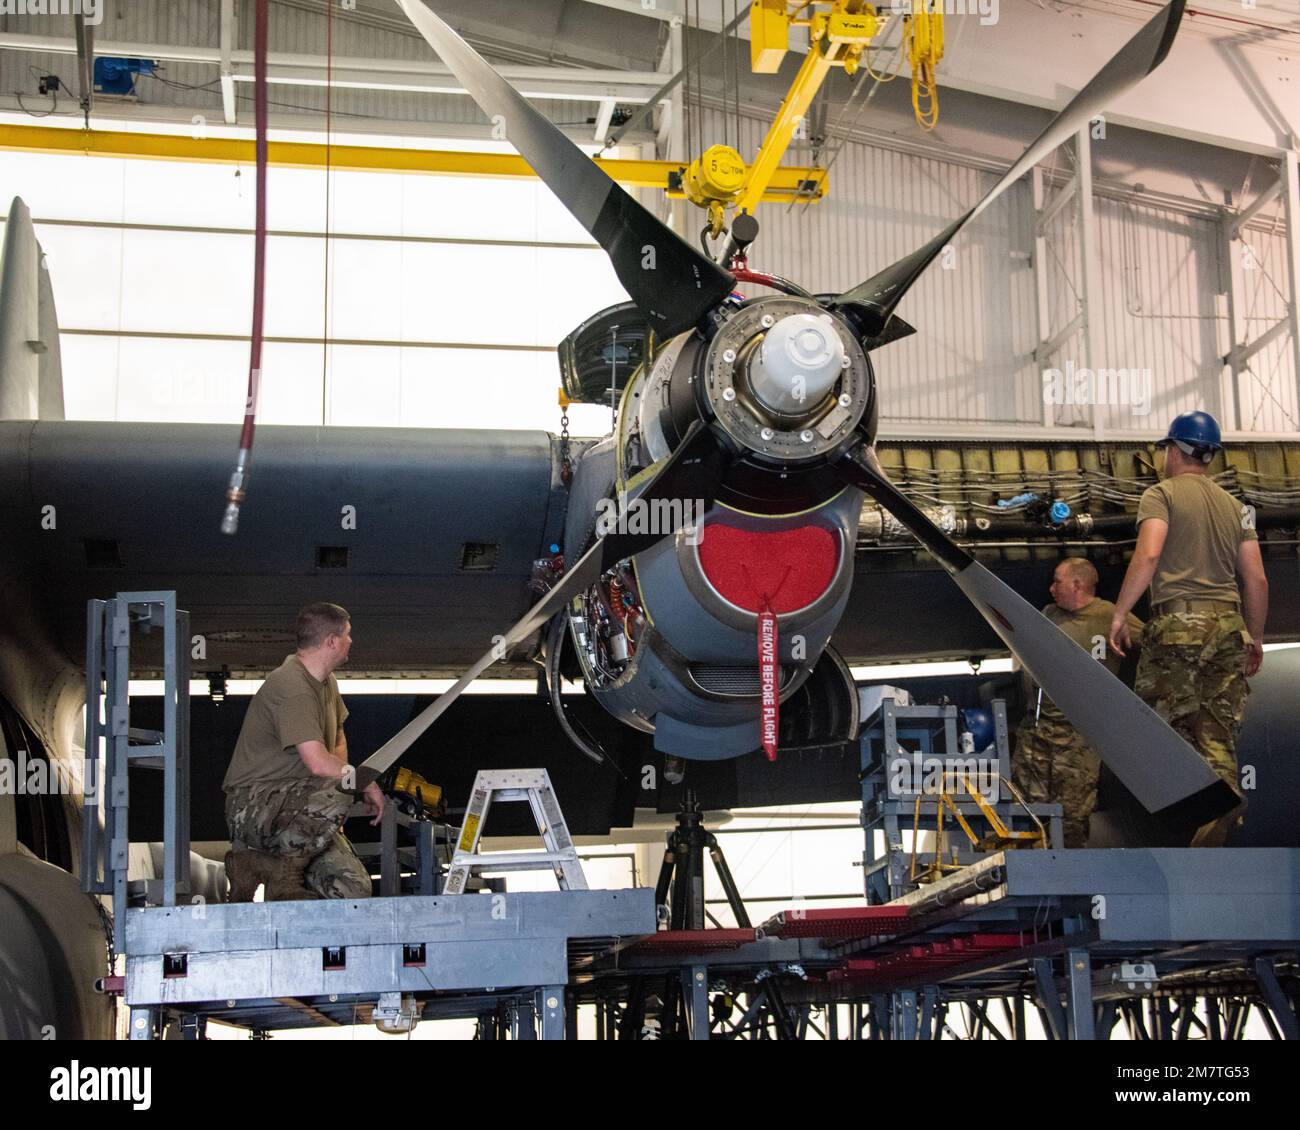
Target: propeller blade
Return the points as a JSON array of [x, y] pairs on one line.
[[1165, 774], [692, 473], [875, 299], [673, 284]]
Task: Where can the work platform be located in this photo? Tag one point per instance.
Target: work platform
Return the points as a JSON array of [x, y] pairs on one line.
[[302, 964], [1086, 937], [1172, 942]]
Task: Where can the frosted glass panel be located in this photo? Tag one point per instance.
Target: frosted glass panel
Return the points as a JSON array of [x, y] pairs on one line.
[[570, 287], [365, 386], [364, 299], [182, 283], [195, 381], [473, 388], [292, 377], [366, 202], [295, 288], [185, 194], [89, 377], [295, 198], [63, 187], [185, 282], [475, 294], [85, 266]]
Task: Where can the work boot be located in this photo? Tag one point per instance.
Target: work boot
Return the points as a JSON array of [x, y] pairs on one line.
[[287, 882], [246, 870]]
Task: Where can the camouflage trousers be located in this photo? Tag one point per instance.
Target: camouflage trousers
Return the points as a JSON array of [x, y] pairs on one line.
[[300, 818], [1190, 673], [1054, 765]]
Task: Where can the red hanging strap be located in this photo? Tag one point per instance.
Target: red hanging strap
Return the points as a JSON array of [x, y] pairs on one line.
[[768, 677]]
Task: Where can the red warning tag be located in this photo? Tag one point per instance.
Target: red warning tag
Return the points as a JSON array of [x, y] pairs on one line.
[[768, 678]]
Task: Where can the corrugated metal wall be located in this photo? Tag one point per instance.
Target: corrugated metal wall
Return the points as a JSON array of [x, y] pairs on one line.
[[972, 360], [290, 30]]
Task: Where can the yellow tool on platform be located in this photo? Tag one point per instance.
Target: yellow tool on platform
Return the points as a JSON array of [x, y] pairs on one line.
[[411, 789]]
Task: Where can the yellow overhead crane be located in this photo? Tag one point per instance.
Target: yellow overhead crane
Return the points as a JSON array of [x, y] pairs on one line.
[[839, 32], [360, 158]]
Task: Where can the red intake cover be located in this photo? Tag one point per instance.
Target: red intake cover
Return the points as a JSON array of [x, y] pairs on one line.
[[792, 568]]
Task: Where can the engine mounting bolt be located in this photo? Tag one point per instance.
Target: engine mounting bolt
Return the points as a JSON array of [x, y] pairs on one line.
[[768, 321], [728, 355], [806, 435], [767, 434], [728, 393]]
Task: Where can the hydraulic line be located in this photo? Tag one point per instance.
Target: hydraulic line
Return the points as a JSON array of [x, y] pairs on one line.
[[238, 488]]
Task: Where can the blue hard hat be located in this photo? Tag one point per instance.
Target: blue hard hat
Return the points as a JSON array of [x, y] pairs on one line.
[[1193, 432], [979, 722]]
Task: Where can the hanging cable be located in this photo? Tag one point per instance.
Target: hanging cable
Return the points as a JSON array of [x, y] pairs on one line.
[[238, 488], [325, 301], [924, 31]]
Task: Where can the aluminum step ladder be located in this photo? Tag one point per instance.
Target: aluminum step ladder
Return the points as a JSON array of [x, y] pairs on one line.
[[533, 786]]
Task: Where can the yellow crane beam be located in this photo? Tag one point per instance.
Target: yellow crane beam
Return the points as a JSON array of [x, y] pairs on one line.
[[838, 37], [784, 185]]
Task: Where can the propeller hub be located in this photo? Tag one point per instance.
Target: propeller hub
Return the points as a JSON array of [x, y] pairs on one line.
[[797, 364], [786, 379]]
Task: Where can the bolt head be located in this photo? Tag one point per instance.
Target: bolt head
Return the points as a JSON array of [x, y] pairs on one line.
[[728, 355], [767, 433], [768, 321], [845, 362], [845, 400], [728, 394], [806, 435]]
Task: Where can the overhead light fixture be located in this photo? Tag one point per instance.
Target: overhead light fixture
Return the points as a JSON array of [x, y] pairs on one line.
[[217, 685]]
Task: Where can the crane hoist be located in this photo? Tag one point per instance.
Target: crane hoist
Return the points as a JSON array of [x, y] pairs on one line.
[[840, 32]]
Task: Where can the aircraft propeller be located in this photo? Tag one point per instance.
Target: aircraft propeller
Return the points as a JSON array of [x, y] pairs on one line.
[[675, 286]]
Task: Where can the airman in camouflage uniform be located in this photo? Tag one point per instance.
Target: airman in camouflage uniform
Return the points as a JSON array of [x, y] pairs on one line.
[[1053, 764], [1194, 540], [296, 820], [285, 795]]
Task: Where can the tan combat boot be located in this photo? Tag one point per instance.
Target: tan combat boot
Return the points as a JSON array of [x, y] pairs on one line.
[[287, 882], [246, 870]]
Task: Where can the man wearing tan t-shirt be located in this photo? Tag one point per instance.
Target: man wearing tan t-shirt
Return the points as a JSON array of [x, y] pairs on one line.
[[1194, 541], [1052, 763], [285, 804]]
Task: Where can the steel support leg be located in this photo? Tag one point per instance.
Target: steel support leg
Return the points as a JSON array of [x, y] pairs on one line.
[[1049, 1000], [550, 1006], [142, 1023], [1081, 1017], [1276, 1000], [695, 991]]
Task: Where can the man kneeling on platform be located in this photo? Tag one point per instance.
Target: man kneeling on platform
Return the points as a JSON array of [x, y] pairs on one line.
[[285, 798], [1053, 764]]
